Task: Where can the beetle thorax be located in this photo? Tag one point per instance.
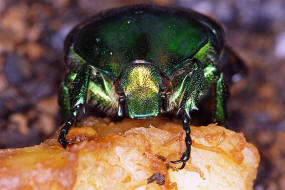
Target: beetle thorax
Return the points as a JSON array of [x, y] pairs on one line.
[[140, 83]]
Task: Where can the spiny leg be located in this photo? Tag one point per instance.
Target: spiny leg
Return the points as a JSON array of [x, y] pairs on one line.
[[64, 130], [64, 101], [188, 141], [221, 98], [193, 87], [77, 102], [101, 92]]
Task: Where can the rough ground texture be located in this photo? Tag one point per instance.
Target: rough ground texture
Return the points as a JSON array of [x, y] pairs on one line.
[[133, 155], [31, 68]]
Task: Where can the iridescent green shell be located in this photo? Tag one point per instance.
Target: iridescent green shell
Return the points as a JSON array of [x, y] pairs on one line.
[[160, 35]]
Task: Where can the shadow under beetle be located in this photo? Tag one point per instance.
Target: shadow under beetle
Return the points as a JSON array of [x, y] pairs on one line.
[[140, 61]]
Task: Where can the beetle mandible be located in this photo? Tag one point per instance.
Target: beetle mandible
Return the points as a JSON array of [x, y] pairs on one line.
[[140, 61]]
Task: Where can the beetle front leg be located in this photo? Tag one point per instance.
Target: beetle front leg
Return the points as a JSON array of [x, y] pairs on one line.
[[192, 88], [188, 141], [77, 101]]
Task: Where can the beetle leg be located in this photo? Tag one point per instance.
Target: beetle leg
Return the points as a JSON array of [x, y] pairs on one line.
[[64, 101], [65, 94], [188, 141], [77, 101], [163, 94], [164, 102], [101, 91], [64, 130], [121, 109], [193, 87], [221, 98]]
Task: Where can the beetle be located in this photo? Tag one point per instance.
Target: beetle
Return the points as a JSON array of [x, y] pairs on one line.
[[143, 60]]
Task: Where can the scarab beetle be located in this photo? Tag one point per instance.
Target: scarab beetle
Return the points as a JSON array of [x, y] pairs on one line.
[[140, 61]]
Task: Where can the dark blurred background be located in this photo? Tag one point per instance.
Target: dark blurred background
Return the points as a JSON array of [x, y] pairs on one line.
[[31, 69]]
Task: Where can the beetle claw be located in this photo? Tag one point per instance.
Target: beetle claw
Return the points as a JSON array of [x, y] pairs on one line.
[[62, 140], [179, 161], [182, 160], [63, 132], [62, 137]]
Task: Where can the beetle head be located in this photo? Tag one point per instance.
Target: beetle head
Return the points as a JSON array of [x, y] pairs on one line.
[[140, 84]]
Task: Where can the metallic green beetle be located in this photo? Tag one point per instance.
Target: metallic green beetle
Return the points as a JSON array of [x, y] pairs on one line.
[[140, 61]]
